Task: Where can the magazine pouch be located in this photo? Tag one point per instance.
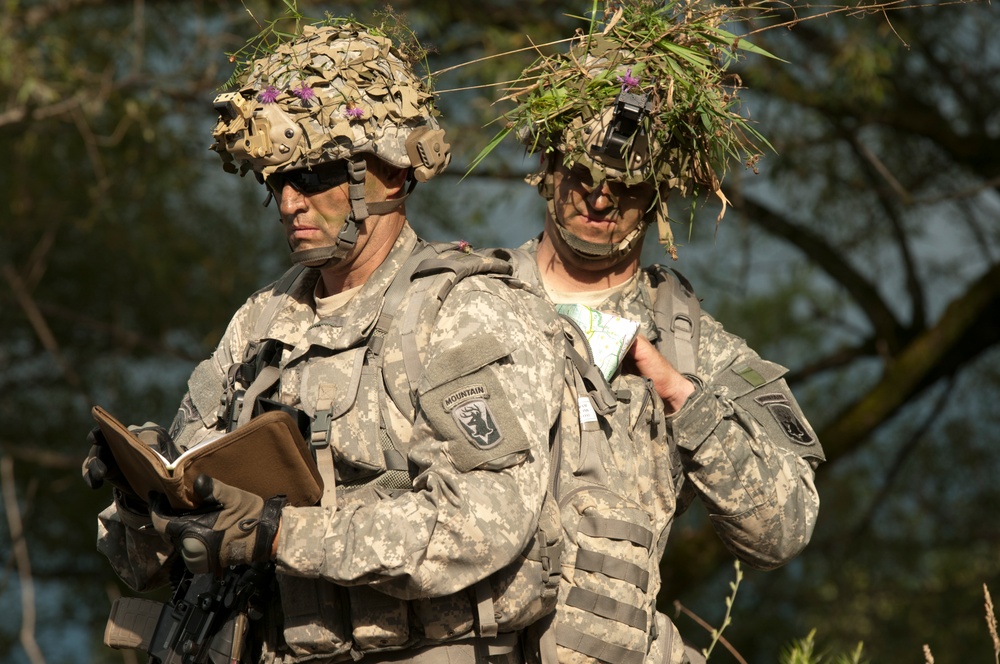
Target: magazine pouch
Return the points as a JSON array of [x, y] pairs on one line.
[[315, 618]]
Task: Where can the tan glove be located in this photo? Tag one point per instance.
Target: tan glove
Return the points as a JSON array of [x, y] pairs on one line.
[[234, 527]]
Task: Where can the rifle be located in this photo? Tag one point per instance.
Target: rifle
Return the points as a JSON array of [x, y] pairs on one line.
[[205, 621]]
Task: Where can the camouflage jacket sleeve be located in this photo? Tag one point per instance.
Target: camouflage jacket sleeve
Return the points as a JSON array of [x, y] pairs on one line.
[[748, 451], [488, 396], [136, 552]]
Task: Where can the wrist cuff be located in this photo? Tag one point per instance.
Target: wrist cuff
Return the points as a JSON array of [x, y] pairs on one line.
[[267, 527], [132, 512]]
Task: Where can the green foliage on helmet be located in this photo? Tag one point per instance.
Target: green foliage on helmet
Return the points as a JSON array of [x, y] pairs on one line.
[[333, 91], [643, 96], [676, 54]]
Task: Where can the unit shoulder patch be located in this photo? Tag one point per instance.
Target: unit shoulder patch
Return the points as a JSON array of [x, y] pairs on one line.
[[474, 412], [780, 408], [478, 424]]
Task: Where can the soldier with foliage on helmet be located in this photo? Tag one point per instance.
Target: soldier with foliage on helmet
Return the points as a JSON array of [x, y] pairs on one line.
[[427, 384], [637, 108]]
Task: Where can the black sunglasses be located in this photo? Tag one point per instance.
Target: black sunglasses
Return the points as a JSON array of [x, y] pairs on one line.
[[310, 181]]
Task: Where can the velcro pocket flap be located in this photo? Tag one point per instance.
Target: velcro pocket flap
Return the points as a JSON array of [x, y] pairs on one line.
[[474, 353]]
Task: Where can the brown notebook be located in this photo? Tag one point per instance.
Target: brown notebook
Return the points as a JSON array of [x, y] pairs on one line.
[[267, 456]]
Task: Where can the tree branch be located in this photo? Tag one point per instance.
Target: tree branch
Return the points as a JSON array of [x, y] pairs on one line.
[[22, 559], [959, 336], [887, 328], [874, 168], [41, 327]]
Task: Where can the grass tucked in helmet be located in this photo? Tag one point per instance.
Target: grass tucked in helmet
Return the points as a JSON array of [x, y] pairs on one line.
[[335, 90], [643, 96]]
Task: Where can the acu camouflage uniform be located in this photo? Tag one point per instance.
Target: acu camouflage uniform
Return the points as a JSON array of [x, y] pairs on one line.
[[431, 536], [740, 444]]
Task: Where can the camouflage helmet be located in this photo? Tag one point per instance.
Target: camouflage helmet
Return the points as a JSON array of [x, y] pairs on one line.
[[643, 97], [335, 92]]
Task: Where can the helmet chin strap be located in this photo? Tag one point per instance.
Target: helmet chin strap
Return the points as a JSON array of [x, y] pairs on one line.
[[597, 251], [323, 257]]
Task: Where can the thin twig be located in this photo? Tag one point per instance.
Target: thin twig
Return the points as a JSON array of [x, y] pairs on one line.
[[22, 559], [680, 608], [39, 324], [475, 87], [533, 47], [855, 10]]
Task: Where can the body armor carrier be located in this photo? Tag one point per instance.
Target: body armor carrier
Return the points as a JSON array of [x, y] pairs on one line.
[[318, 618]]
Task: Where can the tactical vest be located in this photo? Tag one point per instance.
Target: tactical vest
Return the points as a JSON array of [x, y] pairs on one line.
[[617, 488], [323, 619]]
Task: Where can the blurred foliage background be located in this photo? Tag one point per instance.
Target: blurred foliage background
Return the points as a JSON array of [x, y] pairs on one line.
[[863, 256]]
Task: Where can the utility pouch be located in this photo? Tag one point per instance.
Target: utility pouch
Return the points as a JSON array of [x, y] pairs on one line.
[[607, 603], [345, 389], [445, 618], [378, 620], [316, 619]]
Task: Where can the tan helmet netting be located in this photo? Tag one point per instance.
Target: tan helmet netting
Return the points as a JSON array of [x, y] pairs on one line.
[[332, 93]]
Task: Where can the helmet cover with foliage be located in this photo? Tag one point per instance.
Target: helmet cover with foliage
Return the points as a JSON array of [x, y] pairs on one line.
[[644, 98], [334, 92]]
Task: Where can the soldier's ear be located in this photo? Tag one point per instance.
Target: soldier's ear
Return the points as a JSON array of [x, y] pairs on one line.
[[395, 181]]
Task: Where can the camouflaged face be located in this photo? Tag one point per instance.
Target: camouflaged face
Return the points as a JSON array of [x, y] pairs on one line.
[[334, 92]]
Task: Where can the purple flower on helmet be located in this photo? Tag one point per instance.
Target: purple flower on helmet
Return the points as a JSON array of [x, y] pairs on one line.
[[464, 247], [269, 95], [628, 81], [354, 112], [304, 92]]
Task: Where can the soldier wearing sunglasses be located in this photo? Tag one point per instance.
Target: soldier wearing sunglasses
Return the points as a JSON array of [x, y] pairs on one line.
[[427, 385]]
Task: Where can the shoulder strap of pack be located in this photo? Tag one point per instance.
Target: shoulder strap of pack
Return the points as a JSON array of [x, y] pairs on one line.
[[282, 287], [267, 376], [677, 315], [451, 266]]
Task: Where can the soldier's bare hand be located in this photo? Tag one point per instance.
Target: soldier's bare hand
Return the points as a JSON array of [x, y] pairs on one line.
[[669, 383]]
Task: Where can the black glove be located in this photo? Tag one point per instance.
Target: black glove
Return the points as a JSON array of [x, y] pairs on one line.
[[235, 527], [100, 465]]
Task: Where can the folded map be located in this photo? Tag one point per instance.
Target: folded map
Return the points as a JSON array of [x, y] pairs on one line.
[[608, 336]]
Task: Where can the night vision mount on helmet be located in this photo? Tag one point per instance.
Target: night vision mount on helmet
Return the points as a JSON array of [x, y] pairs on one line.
[[336, 92]]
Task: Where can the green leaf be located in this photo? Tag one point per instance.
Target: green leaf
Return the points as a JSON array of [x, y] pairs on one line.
[[487, 150]]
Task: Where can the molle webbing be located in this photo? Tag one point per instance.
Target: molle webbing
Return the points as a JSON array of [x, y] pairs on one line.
[[606, 607], [592, 561], [596, 648], [616, 529]]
